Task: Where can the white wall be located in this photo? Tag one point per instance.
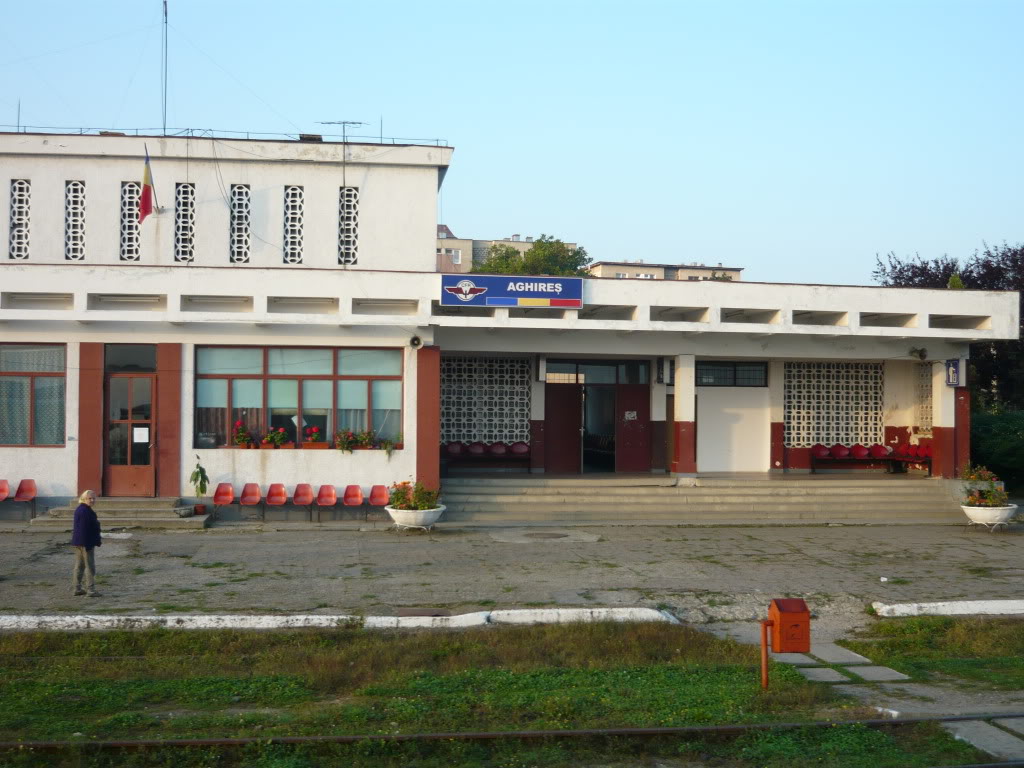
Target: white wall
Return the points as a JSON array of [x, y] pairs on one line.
[[733, 433], [397, 197]]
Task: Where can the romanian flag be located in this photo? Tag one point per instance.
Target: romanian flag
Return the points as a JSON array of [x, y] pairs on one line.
[[146, 198]]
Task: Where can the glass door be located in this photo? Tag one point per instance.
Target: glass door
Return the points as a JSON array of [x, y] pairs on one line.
[[130, 438]]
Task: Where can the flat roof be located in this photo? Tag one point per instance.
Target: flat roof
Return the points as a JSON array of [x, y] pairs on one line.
[[663, 266]]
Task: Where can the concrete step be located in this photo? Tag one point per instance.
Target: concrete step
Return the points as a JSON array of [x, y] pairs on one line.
[[721, 496], [706, 518], [144, 506], [47, 523], [753, 510]]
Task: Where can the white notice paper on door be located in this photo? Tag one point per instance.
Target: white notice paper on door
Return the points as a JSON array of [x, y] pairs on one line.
[[140, 434]]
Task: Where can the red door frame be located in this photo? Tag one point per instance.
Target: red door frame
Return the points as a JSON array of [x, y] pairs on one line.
[[130, 479]]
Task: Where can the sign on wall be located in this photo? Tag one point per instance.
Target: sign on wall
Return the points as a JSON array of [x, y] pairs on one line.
[[511, 291], [955, 372]]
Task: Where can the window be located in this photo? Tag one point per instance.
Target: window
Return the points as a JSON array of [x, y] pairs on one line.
[[620, 275], [645, 276], [21, 196], [293, 388], [597, 372], [454, 255], [130, 193], [184, 222], [74, 220], [240, 236], [32, 394], [692, 277], [715, 374], [348, 225], [293, 213]]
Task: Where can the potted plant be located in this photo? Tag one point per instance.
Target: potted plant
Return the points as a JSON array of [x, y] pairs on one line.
[[200, 482], [988, 506], [345, 440], [388, 445], [240, 436], [414, 506], [364, 439], [275, 438], [312, 437]]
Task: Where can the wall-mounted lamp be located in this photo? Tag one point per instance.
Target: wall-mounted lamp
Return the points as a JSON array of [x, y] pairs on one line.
[[919, 352]]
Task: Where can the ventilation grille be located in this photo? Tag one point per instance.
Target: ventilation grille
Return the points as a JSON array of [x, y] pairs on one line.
[[348, 225], [241, 215], [293, 210], [923, 409], [21, 197], [184, 222], [130, 193], [74, 220]]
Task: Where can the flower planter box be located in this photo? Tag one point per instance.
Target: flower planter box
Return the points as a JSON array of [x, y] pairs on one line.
[[415, 518], [287, 446], [267, 446], [990, 517], [315, 446]]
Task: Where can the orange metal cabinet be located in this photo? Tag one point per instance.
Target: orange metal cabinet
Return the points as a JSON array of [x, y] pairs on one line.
[[791, 625]]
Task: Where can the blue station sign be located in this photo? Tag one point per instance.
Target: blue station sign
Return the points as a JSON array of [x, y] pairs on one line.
[[511, 291]]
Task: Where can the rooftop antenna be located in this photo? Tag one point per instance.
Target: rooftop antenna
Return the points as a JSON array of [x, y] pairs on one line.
[[163, 57], [344, 141]]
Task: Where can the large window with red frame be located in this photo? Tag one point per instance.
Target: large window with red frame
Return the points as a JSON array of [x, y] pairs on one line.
[[32, 394], [295, 389]]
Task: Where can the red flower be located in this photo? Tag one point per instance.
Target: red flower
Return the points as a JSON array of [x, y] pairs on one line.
[[238, 423], [316, 430], [280, 429]]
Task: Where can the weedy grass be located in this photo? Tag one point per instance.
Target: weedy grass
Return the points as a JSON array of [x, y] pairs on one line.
[[988, 652], [170, 684]]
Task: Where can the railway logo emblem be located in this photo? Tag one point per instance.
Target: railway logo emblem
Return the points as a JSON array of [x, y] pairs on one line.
[[465, 290]]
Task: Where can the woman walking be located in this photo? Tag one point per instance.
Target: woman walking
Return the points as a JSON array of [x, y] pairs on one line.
[[85, 537]]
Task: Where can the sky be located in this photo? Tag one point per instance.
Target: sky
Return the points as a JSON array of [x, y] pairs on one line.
[[794, 139]]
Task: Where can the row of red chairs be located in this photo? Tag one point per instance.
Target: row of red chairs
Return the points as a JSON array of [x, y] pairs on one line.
[[26, 492], [277, 495]]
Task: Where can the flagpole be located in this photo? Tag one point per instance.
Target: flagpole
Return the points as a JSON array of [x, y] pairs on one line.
[[156, 203], [164, 66]]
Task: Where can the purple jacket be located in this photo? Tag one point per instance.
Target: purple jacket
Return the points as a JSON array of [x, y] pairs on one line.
[[86, 532]]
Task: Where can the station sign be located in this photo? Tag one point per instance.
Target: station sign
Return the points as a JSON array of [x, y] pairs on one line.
[[511, 291]]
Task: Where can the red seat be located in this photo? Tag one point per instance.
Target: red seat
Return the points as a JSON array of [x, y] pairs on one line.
[[839, 451], [497, 449], [353, 496], [819, 451], [519, 449], [878, 451], [5, 489], [277, 495], [454, 449], [303, 495], [379, 496], [251, 495], [225, 494], [476, 449], [859, 451], [26, 491], [327, 496]]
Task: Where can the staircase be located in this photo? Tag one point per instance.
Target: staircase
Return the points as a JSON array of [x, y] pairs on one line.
[[751, 500], [127, 513]]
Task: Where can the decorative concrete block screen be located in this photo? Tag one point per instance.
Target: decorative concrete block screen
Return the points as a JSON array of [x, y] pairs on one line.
[[485, 399], [832, 403], [74, 220], [131, 191], [21, 198], [184, 222], [924, 399]]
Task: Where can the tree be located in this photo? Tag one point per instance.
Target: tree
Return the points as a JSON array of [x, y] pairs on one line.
[[997, 368], [548, 256]]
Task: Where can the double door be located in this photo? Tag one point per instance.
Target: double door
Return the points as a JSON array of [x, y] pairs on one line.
[[597, 428]]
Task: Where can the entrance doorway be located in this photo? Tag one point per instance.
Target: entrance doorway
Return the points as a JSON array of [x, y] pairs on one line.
[[129, 428], [597, 416]]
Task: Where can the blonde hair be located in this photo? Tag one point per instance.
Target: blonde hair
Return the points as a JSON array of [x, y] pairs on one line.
[[85, 497]]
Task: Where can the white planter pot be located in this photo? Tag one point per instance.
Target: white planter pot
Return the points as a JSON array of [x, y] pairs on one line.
[[416, 518], [990, 515]]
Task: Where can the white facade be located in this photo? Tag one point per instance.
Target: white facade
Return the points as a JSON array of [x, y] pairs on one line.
[[298, 289]]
